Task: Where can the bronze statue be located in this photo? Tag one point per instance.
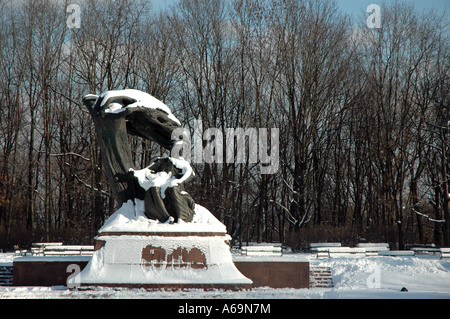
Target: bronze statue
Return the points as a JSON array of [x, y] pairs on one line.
[[119, 113]]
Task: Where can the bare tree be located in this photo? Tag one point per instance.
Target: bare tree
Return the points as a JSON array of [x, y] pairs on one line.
[[311, 41]]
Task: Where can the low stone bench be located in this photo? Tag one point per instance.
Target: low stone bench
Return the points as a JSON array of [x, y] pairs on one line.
[[372, 249], [259, 250], [68, 250], [330, 252], [396, 253], [445, 252]]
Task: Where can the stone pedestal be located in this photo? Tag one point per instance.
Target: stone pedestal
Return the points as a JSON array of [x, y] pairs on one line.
[[163, 256]]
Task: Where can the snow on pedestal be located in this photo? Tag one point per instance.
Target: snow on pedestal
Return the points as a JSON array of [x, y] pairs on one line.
[[134, 251]]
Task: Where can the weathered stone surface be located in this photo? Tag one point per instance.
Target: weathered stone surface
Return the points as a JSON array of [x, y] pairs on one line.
[[176, 258]]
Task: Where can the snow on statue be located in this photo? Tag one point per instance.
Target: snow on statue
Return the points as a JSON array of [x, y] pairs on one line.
[[158, 238], [160, 185]]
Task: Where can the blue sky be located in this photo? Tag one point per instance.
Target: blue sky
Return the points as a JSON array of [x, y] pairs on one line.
[[162, 3], [356, 7]]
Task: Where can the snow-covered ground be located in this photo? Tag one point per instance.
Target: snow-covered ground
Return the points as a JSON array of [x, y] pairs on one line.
[[377, 277]]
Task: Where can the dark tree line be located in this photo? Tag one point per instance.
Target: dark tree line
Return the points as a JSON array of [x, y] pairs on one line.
[[363, 114]]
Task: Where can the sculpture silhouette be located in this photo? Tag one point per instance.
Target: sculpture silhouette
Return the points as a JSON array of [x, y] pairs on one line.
[[119, 113]]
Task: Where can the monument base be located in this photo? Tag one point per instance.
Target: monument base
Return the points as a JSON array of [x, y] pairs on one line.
[[164, 256]]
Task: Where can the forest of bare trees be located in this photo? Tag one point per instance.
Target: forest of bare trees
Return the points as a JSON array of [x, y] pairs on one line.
[[363, 114]]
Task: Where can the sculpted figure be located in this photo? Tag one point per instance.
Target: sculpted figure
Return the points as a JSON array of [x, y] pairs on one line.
[[161, 185]]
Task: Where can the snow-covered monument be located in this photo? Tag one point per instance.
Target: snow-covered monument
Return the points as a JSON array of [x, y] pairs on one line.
[[159, 238]]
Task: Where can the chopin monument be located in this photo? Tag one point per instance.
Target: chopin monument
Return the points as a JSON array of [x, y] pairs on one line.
[[159, 237]]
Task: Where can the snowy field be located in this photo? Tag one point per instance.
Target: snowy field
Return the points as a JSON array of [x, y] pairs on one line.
[[375, 277]]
